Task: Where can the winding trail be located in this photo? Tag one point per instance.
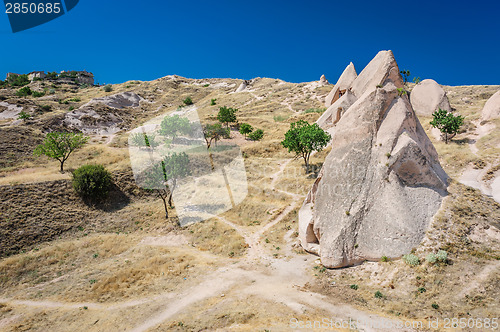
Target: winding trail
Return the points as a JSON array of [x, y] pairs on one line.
[[258, 273]]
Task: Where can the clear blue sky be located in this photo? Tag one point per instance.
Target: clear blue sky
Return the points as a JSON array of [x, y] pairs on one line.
[[453, 42]]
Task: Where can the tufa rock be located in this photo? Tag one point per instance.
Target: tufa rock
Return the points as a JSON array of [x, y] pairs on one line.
[[323, 80], [344, 82], [427, 97], [242, 86], [381, 183], [491, 109]]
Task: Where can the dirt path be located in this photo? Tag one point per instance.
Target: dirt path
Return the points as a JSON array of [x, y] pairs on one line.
[[258, 273]]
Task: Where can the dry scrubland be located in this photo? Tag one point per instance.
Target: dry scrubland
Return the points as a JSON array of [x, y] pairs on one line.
[[121, 266]]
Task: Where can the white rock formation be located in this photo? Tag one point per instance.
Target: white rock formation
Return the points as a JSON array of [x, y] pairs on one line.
[[491, 109], [323, 80], [381, 183], [344, 82], [242, 86], [427, 97]]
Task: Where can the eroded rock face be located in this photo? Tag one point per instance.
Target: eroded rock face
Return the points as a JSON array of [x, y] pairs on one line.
[[427, 97], [344, 82], [381, 183], [491, 109], [119, 100], [323, 80]]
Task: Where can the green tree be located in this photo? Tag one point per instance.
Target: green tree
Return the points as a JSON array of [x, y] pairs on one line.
[[405, 74], [213, 101], [18, 80], [59, 146], [52, 75], [227, 115], [256, 135], [164, 175], [447, 123], [303, 138], [172, 126], [188, 101], [245, 129], [213, 133], [92, 182]]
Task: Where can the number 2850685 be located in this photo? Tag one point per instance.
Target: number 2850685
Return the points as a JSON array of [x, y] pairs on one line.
[[32, 8]]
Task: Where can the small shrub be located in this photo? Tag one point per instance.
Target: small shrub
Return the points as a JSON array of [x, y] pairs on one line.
[[411, 260], [355, 287], [52, 91], [435, 306], [379, 295], [421, 290], [24, 116], [388, 155], [431, 258], [442, 256], [280, 118], [256, 135], [188, 101], [108, 88], [92, 182], [37, 94], [213, 102], [46, 108], [23, 92], [401, 92], [245, 129], [76, 100], [206, 85], [384, 259], [144, 140], [71, 108], [347, 213]]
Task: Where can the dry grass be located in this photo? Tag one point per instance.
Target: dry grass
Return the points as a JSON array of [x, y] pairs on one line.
[[216, 237]]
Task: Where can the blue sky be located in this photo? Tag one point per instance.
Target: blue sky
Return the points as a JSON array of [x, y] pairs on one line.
[[453, 42]]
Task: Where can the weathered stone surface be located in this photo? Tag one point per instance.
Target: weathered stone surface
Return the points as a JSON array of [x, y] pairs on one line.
[[381, 183], [323, 80], [242, 86], [119, 100], [427, 97], [344, 82], [491, 109], [333, 113]]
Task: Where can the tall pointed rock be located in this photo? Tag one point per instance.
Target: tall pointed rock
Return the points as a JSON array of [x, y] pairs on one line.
[[381, 183], [344, 82]]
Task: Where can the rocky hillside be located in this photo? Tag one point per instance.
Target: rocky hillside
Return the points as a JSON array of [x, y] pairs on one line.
[[121, 266]]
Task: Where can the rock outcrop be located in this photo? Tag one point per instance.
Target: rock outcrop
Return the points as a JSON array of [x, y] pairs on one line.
[[381, 183], [242, 86], [491, 109], [323, 80], [119, 100], [344, 82], [427, 97]]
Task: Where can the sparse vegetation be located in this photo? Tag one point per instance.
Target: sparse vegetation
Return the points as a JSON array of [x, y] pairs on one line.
[[447, 123], [227, 115], [256, 135], [188, 101], [108, 88], [24, 116], [92, 182], [245, 129], [59, 146], [354, 286], [24, 91], [303, 138], [411, 259], [144, 140], [379, 295], [213, 101]]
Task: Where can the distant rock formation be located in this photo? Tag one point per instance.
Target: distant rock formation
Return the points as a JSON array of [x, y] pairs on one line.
[[381, 183], [344, 82], [323, 80], [427, 97], [242, 86], [491, 109], [119, 100]]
